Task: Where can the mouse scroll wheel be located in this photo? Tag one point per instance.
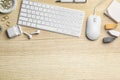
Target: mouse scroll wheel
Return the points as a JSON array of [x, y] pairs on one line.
[[94, 20]]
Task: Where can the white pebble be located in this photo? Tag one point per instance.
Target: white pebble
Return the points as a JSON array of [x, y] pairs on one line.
[[114, 33]]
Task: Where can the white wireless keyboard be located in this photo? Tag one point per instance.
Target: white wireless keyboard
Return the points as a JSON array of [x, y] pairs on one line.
[[51, 18]]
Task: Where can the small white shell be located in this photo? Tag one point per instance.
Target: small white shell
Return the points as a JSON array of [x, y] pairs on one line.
[[114, 33]]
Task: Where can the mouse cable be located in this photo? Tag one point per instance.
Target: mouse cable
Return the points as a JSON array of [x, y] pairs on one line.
[[97, 6]]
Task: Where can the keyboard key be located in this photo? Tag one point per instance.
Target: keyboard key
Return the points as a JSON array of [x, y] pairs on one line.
[[23, 6], [23, 18], [28, 24], [19, 22], [23, 14], [24, 10], [25, 1]]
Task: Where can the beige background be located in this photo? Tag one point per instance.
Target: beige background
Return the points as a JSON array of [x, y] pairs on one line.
[[51, 56]]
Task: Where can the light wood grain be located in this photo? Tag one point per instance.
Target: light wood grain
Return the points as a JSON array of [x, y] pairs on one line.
[[52, 56]]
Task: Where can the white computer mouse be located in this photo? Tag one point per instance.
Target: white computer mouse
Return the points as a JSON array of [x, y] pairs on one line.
[[93, 27]]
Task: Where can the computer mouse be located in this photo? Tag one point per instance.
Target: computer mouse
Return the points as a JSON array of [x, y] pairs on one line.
[[93, 27]]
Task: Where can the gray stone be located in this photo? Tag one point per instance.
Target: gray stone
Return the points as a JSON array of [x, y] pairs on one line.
[[108, 39]]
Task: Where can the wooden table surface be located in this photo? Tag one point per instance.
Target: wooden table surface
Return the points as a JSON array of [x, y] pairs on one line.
[[52, 56]]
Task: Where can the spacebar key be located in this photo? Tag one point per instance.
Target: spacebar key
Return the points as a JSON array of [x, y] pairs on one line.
[[46, 28]]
